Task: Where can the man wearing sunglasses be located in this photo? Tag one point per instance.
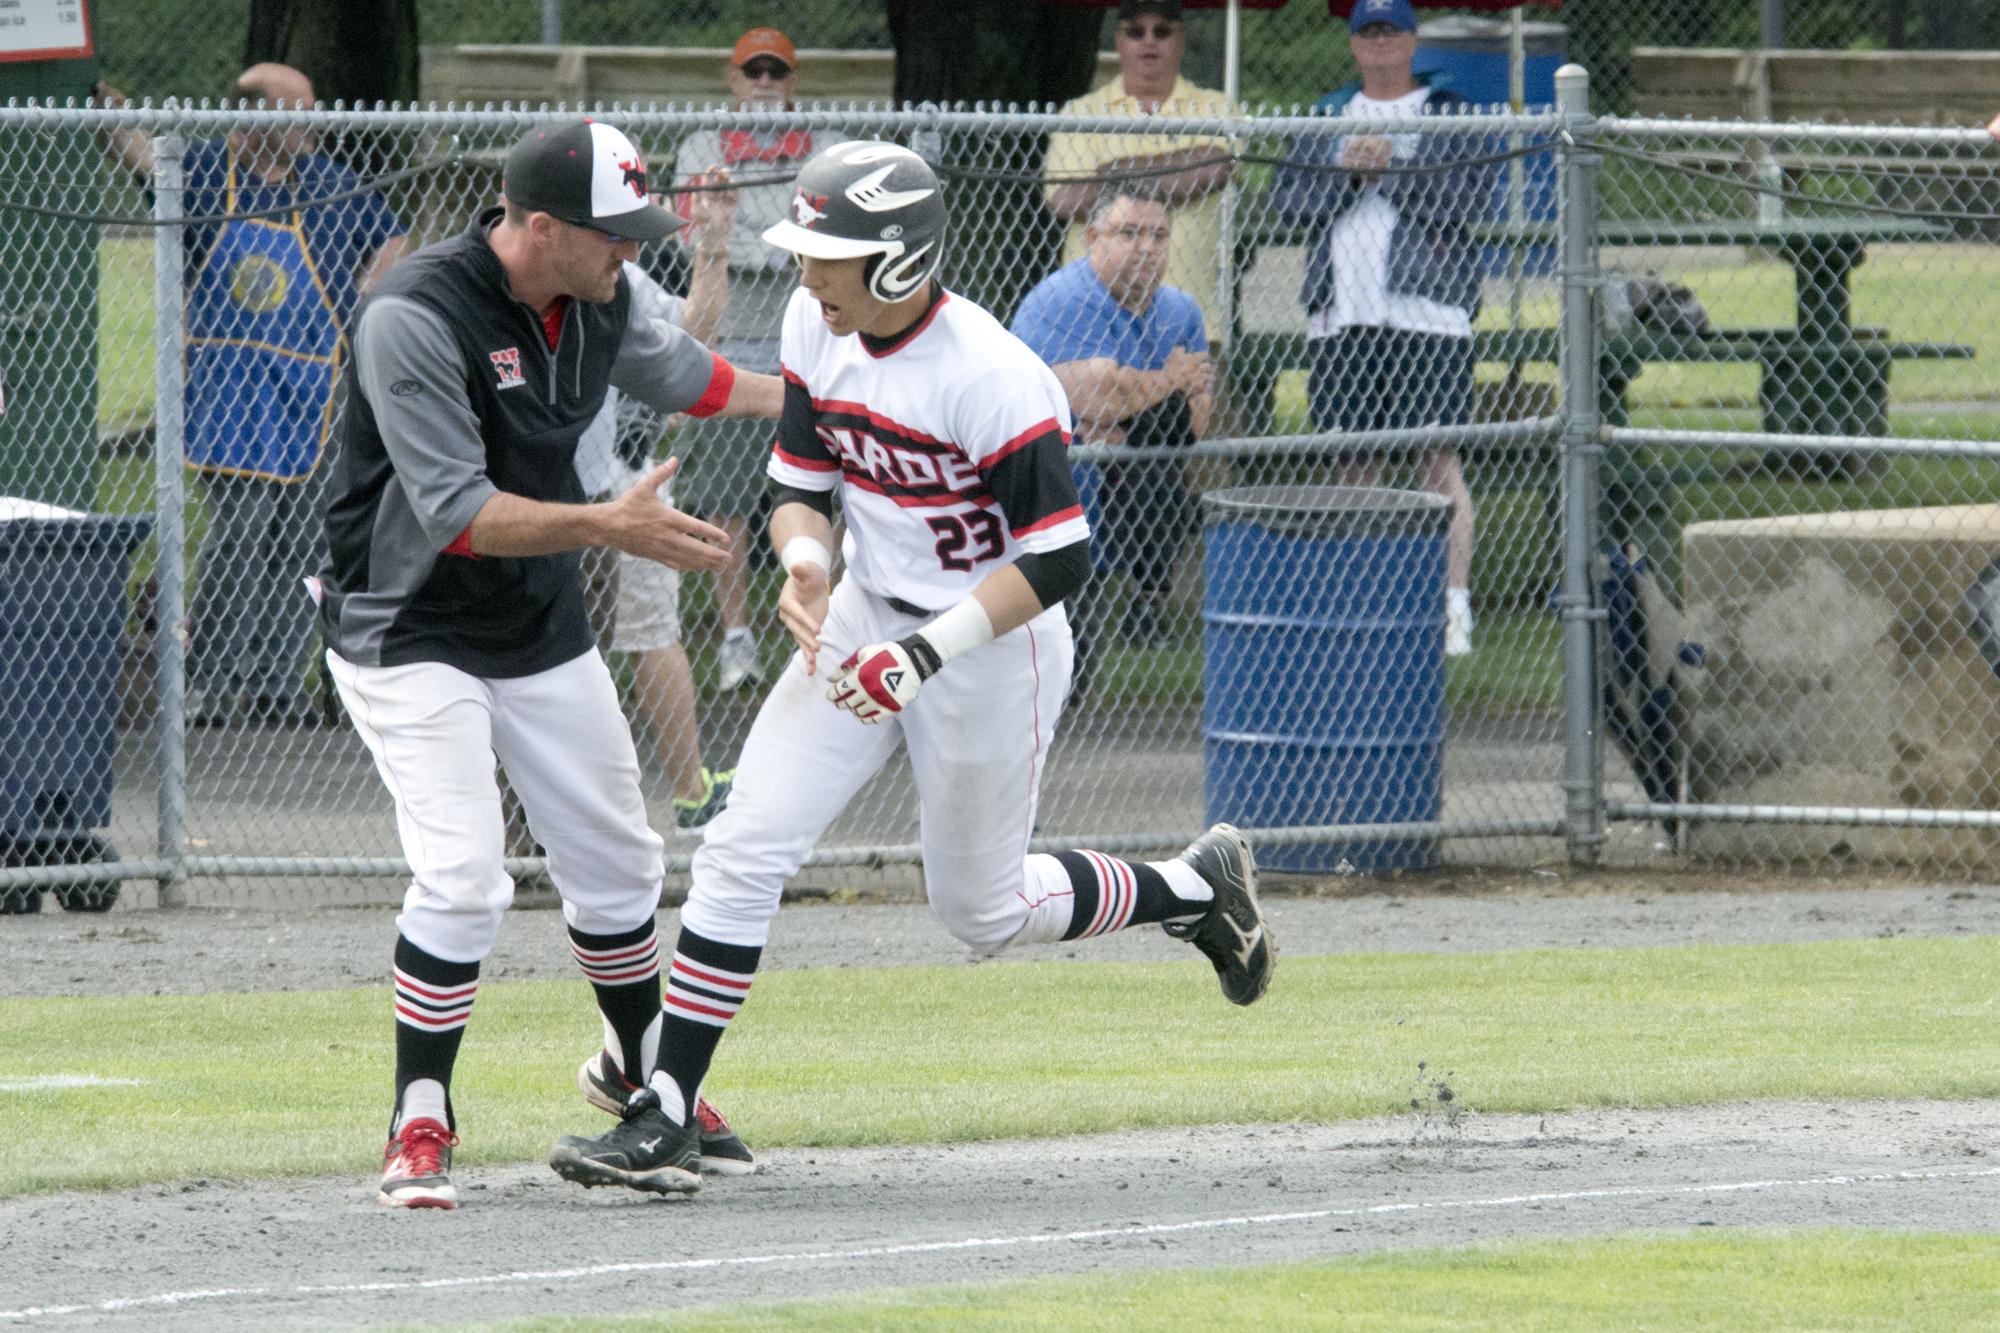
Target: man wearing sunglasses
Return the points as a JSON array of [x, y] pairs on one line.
[[1151, 44], [724, 480], [452, 599]]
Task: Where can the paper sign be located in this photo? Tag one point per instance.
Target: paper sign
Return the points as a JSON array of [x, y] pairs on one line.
[[44, 29]]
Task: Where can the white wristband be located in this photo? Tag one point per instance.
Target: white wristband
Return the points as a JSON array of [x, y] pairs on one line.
[[959, 630], [805, 550]]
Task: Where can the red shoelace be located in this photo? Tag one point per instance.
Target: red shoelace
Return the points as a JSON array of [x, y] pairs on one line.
[[711, 1119], [421, 1148]]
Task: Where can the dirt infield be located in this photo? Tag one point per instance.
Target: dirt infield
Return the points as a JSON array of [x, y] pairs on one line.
[[308, 948], [321, 1253]]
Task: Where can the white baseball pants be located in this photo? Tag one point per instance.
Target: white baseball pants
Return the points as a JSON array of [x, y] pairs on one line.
[[978, 734], [435, 733]]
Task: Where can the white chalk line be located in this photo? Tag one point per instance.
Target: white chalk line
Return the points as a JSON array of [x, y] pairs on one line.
[[1133, 1231], [59, 1082]]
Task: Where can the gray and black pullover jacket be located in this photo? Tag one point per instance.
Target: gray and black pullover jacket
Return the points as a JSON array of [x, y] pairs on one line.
[[457, 394]]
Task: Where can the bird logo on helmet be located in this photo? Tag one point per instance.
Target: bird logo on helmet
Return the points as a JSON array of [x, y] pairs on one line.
[[872, 200]]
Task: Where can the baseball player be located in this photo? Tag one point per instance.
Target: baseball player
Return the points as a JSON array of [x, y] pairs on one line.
[[945, 438], [452, 603]]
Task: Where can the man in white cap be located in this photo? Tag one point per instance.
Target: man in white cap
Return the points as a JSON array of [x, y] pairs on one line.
[[452, 602]]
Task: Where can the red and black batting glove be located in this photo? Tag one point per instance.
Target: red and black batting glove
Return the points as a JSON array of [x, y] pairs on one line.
[[881, 679]]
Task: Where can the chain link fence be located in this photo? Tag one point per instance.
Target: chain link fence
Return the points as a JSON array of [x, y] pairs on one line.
[[1728, 444], [1289, 55]]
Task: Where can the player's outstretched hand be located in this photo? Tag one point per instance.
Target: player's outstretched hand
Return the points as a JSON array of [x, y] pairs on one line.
[[875, 682], [641, 523], [802, 609]]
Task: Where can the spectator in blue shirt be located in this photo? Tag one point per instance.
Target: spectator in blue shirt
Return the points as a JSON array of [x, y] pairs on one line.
[[268, 303], [1133, 358]]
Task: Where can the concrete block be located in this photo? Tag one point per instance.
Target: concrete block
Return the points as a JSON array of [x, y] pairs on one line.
[[1842, 670]]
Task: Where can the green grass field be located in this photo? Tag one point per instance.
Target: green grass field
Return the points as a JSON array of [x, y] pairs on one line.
[[934, 1055], [930, 1055], [1672, 1283]]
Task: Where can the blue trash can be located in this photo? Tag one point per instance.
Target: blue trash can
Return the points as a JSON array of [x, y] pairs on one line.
[[1323, 679], [1470, 56], [62, 619]]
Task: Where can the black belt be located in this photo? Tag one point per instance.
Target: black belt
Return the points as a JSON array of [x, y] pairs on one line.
[[907, 608]]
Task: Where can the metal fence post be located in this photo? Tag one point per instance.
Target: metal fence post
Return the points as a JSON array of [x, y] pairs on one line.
[[1582, 457], [169, 461]]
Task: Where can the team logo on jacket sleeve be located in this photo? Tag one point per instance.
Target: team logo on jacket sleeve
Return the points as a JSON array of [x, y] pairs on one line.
[[507, 366]]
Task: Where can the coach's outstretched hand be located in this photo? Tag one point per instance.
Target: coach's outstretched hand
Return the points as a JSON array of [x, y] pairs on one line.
[[802, 609], [640, 523]]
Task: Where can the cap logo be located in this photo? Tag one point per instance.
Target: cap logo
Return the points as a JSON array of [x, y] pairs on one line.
[[634, 176], [872, 194], [891, 232], [808, 208]]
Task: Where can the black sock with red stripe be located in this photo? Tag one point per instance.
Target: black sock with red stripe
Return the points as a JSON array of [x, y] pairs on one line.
[[1108, 894], [624, 970], [433, 1003], [707, 983]]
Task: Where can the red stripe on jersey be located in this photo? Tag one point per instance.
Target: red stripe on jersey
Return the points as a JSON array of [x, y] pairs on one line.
[[1039, 431], [909, 337], [1035, 720], [720, 380], [1056, 519], [904, 434], [791, 376], [910, 498], [809, 464]]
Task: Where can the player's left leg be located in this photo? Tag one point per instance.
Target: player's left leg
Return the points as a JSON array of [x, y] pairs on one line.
[[564, 742], [802, 762], [977, 747]]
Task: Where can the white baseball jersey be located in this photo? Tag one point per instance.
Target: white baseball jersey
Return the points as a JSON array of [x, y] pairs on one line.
[[951, 442]]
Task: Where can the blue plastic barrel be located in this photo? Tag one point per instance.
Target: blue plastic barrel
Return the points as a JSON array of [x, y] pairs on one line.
[[1323, 679]]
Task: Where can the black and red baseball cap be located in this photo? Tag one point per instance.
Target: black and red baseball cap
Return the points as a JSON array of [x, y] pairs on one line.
[[587, 173]]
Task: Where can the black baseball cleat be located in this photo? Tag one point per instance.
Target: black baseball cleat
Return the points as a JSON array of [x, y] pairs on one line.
[[722, 1152], [1232, 932], [644, 1151]]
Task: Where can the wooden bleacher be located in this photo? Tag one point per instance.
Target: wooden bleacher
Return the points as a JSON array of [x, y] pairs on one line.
[[1836, 87]]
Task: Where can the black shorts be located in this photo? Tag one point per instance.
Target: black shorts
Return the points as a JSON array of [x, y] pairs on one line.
[[1389, 379]]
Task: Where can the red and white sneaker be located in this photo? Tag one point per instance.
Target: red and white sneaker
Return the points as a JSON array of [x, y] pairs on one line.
[[722, 1152], [416, 1167]]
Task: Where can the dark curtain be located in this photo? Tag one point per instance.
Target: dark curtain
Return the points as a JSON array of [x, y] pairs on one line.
[[354, 51], [1002, 238]]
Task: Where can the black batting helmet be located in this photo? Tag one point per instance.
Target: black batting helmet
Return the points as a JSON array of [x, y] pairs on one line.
[[867, 198]]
